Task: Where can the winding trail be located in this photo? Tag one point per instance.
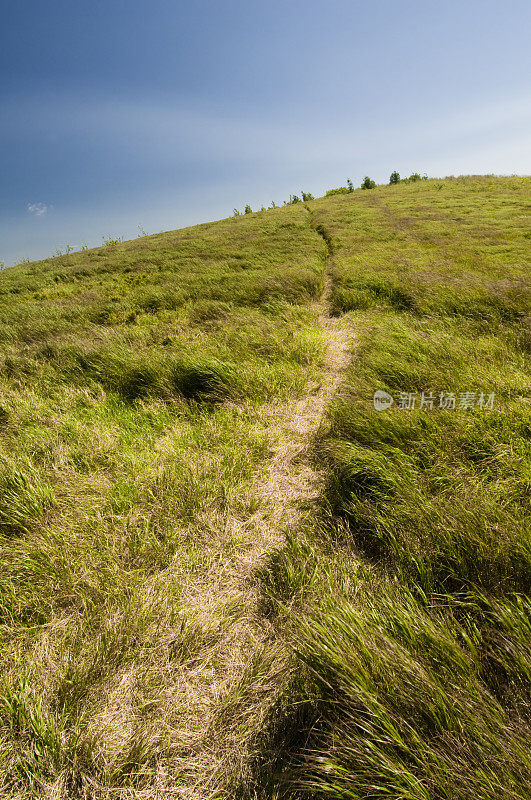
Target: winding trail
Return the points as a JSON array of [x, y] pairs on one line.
[[232, 682]]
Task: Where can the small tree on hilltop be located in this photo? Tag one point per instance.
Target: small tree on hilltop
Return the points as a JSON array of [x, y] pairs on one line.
[[350, 185], [394, 177], [306, 196], [368, 183], [248, 209]]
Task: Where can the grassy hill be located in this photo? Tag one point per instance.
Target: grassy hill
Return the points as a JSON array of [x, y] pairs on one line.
[[173, 626]]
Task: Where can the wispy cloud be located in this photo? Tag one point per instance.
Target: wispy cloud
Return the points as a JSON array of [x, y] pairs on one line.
[[37, 209]]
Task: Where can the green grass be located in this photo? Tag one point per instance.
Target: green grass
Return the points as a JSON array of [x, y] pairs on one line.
[[133, 384], [137, 384], [406, 609]]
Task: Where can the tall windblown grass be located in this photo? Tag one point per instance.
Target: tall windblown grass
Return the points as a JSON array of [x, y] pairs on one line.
[[406, 607]]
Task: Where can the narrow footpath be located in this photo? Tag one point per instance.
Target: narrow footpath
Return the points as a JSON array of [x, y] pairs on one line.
[[232, 683]]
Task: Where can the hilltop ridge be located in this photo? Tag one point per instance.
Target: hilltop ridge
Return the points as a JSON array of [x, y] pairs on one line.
[[226, 572]]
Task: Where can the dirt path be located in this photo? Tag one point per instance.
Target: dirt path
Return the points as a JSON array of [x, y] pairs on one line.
[[228, 689]]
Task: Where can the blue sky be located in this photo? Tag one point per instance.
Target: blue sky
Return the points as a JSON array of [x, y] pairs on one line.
[[117, 113]]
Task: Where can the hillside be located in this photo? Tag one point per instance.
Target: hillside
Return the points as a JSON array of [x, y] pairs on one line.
[[225, 573]]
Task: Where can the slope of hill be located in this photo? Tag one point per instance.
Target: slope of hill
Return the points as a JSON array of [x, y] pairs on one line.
[[162, 429]]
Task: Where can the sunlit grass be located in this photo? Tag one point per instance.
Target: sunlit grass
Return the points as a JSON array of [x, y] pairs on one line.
[[137, 386], [406, 608], [134, 379]]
